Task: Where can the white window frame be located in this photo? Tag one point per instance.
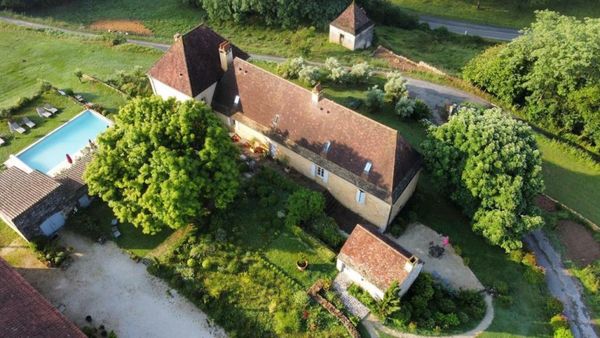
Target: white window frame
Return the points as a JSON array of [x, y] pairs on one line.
[[320, 172], [361, 196]]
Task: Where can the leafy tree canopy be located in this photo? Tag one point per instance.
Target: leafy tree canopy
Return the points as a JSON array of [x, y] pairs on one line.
[[164, 164], [490, 164], [552, 71]]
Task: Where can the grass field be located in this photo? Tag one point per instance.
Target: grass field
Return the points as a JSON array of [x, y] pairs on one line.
[[168, 17], [509, 13], [30, 56]]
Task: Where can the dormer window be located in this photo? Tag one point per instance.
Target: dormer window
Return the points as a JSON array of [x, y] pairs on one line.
[[326, 147], [368, 167], [275, 120]]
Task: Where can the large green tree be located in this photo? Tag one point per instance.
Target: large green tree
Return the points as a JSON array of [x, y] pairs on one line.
[[552, 72], [164, 164], [490, 165]]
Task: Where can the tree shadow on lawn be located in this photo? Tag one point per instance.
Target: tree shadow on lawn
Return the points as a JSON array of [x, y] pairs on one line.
[[132, 239]]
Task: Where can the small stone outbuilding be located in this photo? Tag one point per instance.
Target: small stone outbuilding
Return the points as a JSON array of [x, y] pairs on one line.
[[374, 262], [352, 29]]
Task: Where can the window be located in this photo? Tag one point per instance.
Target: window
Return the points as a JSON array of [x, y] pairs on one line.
[[360, 196], [320, 172], [236, 100], [368, 167]]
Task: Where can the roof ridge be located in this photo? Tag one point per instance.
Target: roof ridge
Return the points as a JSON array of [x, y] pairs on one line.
[[355, 113], [372, 234]]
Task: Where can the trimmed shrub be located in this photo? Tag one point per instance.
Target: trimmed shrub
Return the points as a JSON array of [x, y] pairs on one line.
[[335, 71], [375, 99], [326, 229], [405, 107], [310, 75], [303, 206], [291, 68], [559, 321], [360, 73], [563, 333]]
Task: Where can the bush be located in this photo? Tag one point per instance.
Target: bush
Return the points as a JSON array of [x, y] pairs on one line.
[[326, 229], [309, 75], [291, 68], [563, 333], [335, 71], [559, 321], [395, 87], [375, 99], [114, 39], [134, 83], [421, 110], [553, 306], [590, 277], [303, 206], [405, 107], [360, 73], [287, 322]]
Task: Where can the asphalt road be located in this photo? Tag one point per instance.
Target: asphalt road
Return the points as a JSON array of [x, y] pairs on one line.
[[465, 28]]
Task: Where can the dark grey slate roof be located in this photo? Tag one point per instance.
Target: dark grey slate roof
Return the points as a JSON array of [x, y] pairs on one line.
[[19, 191]]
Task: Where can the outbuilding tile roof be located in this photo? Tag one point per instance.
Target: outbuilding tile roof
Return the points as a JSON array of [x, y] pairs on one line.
[[378, 259], [25, 313], [192, 64], [19, 191], [353, 20], [289, 112]]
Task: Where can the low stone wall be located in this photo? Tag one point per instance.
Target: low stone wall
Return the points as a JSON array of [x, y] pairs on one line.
[[313, 292], [403, 63]]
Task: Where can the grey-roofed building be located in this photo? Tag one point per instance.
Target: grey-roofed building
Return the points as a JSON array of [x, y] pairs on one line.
[[35, 204]]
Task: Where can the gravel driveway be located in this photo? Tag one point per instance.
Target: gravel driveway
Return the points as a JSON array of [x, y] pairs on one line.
[[105, 283]]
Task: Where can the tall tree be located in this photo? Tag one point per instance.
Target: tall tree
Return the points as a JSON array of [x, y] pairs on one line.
[[490, 165], [164, 164], [555, 60]]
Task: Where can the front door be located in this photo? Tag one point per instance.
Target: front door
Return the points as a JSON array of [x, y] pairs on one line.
[[341, 39]]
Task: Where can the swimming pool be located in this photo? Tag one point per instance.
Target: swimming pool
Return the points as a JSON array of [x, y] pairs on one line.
[[70, 138]]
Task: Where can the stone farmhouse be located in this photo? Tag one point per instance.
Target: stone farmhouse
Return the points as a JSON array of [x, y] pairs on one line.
[[352, 29], [368, 167], [373, 262]]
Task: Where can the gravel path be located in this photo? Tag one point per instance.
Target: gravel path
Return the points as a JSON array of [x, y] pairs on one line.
[[562, 285], [105, 283]]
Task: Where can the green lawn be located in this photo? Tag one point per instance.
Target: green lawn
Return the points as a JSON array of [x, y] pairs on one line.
[[16, 142], [448, 52], [509, 13], [7, 235], [30, 55], [132, 239], [167, 17], [571, 179]]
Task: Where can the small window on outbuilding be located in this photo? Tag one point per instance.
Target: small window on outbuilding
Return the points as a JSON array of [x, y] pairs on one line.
[[360, 196]]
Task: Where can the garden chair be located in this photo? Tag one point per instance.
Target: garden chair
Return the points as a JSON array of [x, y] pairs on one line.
[[79, 98], [50, 108], [26, 121], [115, 232], [16, 127], [42, 112]]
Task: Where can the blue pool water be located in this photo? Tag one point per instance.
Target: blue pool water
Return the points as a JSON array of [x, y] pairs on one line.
[[70, 138]]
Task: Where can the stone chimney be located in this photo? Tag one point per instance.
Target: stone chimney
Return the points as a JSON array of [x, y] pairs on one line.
[[226, 55], [176, 37], [317, 93]]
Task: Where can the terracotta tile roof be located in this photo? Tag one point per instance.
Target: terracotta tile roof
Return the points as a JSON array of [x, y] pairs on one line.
[[19, 191], [192, 64], [378, 259], [354, 139], [25, 313], [353, 20]]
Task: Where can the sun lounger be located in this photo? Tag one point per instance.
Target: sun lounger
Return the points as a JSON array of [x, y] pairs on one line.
[[16, 127], [2, 141], [42, 112], [26, 121], [50, 109], [79, 98]]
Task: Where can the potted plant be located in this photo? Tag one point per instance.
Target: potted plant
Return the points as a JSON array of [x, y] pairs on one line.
[[302, 263]]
